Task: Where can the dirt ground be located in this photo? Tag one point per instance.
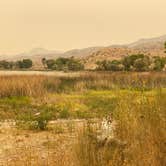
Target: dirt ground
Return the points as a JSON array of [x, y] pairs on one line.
[[38, 148]]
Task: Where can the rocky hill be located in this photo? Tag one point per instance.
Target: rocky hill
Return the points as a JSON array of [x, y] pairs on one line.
[[151, 47]]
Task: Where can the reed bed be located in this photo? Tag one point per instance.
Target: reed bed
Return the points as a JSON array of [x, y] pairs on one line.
[[21, 86], [38, 85]]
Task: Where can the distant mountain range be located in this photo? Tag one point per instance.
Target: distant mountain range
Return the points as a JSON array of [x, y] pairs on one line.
[[151, 46], [35, 53]]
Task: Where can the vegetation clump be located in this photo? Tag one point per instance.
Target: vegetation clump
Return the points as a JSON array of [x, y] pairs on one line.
[[24, 64], [21, 64], [138, 62], [64, 64]]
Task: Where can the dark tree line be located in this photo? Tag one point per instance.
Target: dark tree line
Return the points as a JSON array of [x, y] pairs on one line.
[[21, 64], [63, 64], [138, 62]]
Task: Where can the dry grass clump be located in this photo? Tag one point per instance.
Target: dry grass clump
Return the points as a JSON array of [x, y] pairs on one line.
[[29, 85], [21, 86], [91, 149], [141, 123], [112, 80]]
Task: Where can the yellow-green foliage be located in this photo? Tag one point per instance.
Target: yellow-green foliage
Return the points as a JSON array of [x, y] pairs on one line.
[[140, 127]]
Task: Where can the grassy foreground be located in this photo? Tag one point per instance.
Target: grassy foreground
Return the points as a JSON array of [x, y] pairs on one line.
[[137, 103]]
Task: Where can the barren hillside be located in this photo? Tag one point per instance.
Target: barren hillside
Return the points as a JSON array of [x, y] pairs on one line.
[[151, 47]]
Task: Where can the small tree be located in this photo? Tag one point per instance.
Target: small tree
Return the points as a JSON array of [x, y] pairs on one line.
[[165, 47], [101, 65], [159, 63], [44, 62], [142, 64], [25, 64], [115, 65], [6, 65], [128, 61], [50, 63], [65, 64], [75, 65]]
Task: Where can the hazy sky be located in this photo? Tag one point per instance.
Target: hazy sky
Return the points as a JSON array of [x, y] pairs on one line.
[[67, 24]]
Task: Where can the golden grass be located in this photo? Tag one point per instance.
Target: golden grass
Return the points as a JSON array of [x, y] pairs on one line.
[[139, 138], [140, 115], [21, 86], [38, 85]]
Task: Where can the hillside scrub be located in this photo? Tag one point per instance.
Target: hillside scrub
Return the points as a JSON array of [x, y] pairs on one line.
[[137, 62]]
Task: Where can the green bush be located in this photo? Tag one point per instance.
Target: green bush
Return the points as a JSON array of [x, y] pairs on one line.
[[159, 63], [6, 65], [114, 65], [136, 62], [24, 64], [142, 64], [64, 114], [36, 121], [64, 64]]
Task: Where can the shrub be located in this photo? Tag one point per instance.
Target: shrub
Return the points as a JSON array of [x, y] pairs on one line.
[[142, 64], [114, 65], [139, 61], [6, 65], [159, 63], [33, 121], [42, 120], [24, 64], [50, 63]]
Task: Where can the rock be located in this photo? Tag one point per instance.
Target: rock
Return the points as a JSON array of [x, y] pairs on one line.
[[38, 113]]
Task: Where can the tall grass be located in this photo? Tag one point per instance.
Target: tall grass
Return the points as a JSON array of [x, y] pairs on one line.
[[21, 86], [34, 85], [139, 138]]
